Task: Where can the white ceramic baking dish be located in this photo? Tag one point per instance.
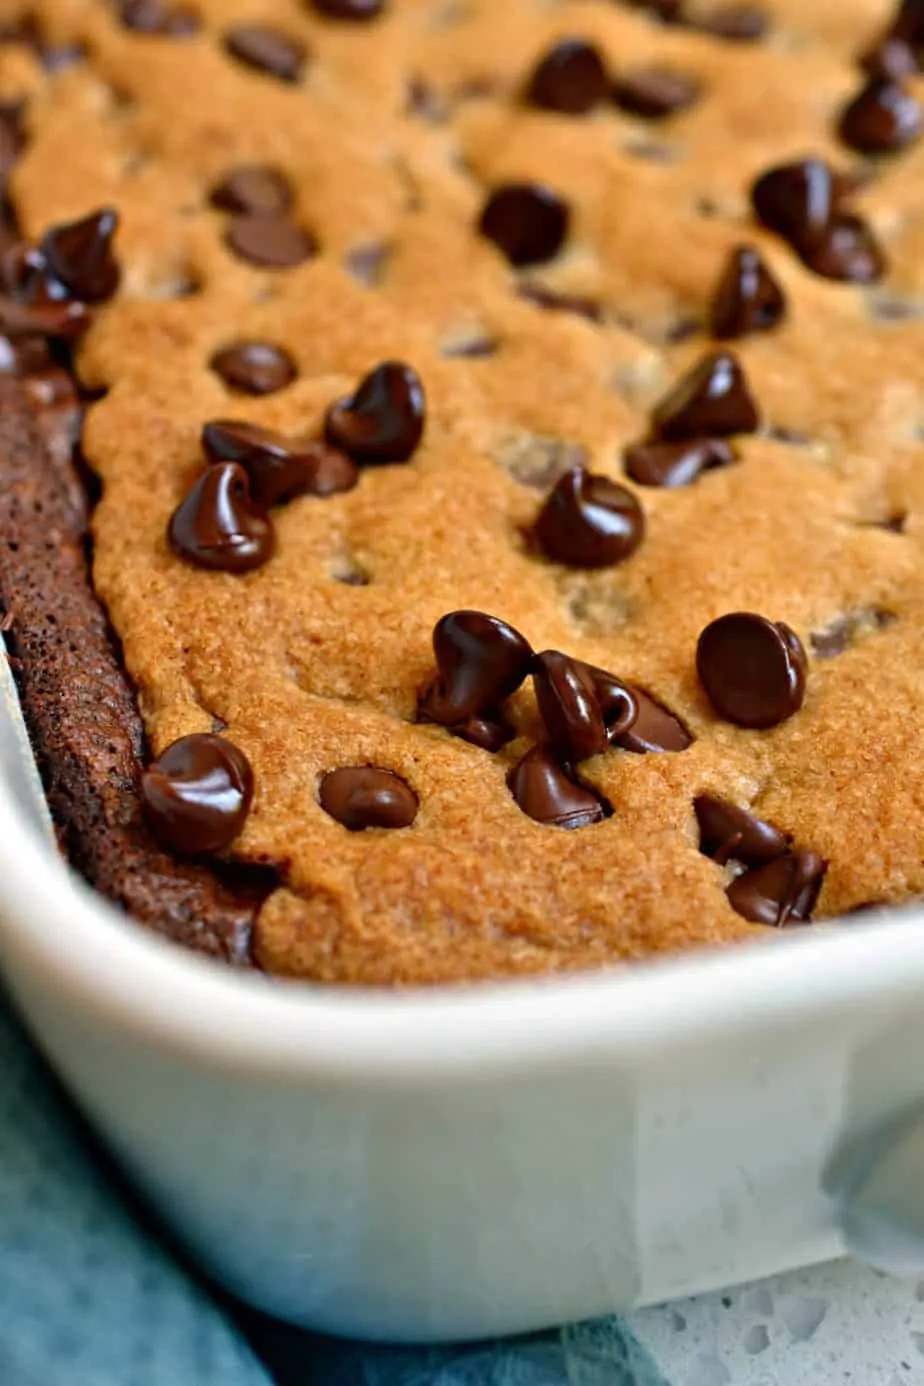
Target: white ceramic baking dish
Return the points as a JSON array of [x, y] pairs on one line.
[[465, 1162]]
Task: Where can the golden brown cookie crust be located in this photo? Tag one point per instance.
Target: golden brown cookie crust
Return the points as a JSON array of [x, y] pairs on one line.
[[309, 672]]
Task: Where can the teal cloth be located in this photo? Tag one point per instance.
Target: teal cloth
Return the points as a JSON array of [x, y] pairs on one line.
[[90, 1296]]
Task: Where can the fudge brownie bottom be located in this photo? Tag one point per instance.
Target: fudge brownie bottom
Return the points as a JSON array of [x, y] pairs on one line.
[[79, 708]]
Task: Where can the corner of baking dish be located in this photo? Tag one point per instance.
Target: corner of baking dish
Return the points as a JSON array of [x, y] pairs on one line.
[[53, 925]]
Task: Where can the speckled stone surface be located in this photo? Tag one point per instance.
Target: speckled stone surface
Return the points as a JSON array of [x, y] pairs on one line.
[[835, 1325]]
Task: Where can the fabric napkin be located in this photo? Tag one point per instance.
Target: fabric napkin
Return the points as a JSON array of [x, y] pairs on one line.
[[90, 1296]]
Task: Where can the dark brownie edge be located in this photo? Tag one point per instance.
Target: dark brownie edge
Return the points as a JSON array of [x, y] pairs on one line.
[[79, 706]]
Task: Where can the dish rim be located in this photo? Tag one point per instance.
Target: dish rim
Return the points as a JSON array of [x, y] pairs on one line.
[[161, 992]]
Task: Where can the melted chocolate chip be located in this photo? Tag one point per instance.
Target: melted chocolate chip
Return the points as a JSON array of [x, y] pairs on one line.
[[655, 92], [588, 521], [752, 669], [254, 368], [383, 420], [157, 17], [797, 200], [271, 241], [570, 78], [713, 400], [555, 302], [734, 22], [480, 661], [358, 10], [267, 50], [218, 526], [881, 119], [256, 188], [655, 729], [527, 221], [78, 255], [847, 251], [619, 704], [279, 468], [747, 298], [842, 633], [780, 892], [197, 795], [569, 706], [728, 832], [545, 791], [675, 464], [363, 796], [489, 729]]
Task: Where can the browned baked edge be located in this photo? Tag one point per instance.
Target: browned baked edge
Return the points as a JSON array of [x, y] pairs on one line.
[[78, 705]]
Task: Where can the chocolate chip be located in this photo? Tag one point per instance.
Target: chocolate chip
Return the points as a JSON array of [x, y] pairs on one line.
[[363, 796], [254, 368], [555, 302], [527, 221], [570, 78], [655, 92], [747, 298], [64, 320], [267, 50], [197, 794], [728, 832], [544, 790], [655, 728], [802, 202], [157, 17], [480, 661], [350, 9], [752, 669], [797, 200], [890, 57], [908, 23], [841, 634], [218, 526], [569, 706], [271, 241], [713, 400], [881, 119], [588, 521], [256, 188], [279, 468], [780, 892], [383, 420], [675, 464], [737, 23], [79, 256], [847, 251]]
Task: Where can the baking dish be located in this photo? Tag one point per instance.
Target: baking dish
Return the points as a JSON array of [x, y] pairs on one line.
[[480, 1161]]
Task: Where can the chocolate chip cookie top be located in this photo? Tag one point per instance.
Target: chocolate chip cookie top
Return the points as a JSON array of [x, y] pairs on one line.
[[478, 254]]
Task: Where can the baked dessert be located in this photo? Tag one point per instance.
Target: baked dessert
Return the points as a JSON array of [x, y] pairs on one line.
[[462, 504]]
